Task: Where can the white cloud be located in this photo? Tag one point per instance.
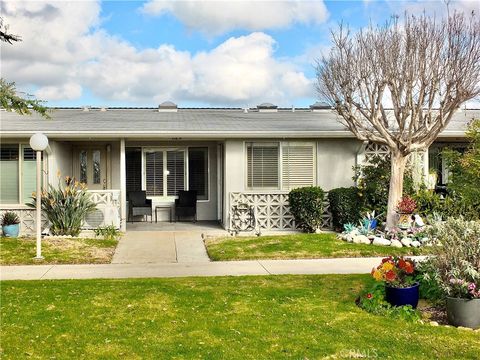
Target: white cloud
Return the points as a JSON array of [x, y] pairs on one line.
[[217, 17], [68, 91], [64, 58]]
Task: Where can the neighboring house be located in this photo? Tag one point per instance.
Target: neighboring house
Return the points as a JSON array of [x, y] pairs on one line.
[[229, 156]]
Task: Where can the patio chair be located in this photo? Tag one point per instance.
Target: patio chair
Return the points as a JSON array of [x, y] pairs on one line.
[[186, 205], [139, 205]]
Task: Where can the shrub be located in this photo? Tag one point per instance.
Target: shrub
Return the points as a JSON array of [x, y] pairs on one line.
[[373, 181], [345, 205], [431, 205], [109, 232], [66, 206], [306, 205], [457, 260], [10, 218]]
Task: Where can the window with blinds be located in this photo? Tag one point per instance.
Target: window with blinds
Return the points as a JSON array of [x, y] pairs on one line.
[[9, 179], [198, 171], [164, 172], [262, 165], [298, 165], [154, 172], [16, 187], [175, 172]]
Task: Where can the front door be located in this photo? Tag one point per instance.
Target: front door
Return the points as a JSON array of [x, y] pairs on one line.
[[90, 167]]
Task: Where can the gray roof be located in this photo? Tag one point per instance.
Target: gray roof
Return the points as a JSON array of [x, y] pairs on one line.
[[194, 123]]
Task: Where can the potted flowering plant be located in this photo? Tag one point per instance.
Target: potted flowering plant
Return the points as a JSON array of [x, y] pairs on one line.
[[398, 274], [405, 208], [463, 303]]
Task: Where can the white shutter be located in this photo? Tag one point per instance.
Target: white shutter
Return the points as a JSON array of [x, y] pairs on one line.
[[262, 165], [176, 172], [154, 173], [298, 166]]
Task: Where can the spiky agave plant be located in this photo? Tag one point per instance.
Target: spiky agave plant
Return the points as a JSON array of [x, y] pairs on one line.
[[65, 206]]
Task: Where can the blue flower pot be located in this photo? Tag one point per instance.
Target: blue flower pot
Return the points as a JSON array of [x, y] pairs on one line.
[[402, 296], [11, 230]]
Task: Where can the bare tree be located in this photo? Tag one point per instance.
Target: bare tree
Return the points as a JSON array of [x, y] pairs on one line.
[[399, 84], [5, 36]]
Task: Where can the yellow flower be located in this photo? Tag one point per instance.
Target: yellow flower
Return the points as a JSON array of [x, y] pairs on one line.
[[377, 275], [59, 174], [387, 266]]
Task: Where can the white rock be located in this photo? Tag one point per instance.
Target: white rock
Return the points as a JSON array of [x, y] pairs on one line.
[[433, 323], [349, 238], [416, 243], [406, 241], [361, 239], [396, 243], [424, 240], [381, 241]]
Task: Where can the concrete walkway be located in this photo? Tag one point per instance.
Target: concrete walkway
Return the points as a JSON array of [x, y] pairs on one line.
[[220, 268], [160, 247]]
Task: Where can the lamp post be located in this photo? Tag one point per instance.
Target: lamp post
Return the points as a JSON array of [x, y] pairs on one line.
[[39, 143]]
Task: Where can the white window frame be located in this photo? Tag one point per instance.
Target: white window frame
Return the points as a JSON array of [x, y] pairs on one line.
[[185, 149], [280, 144], [21, 146]]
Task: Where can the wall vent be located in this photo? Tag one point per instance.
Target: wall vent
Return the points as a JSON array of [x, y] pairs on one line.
[[167, 106]]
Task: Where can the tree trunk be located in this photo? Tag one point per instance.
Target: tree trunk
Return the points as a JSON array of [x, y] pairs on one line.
[[398, 163]]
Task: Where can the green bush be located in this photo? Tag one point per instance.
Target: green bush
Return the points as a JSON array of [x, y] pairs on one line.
[[430, 204], [109, 232], [306, 205], [373, 181], [345, 206], [456, 261], [66, 206]]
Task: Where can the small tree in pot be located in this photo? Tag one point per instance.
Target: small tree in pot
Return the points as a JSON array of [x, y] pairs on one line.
[[457, 264]]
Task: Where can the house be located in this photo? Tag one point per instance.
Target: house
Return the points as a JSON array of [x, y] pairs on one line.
[[229, 155]]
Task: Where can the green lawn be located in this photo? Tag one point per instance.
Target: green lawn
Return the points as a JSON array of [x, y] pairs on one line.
[[297, 246], [20, 251], [276, 317]]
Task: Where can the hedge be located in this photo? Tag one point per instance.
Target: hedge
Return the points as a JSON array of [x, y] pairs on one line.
[[306, 205], [345, 206]]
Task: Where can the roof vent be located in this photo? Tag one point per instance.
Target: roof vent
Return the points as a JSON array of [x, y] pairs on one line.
[[267, 107], [86, 108], [103, 108], [320, 105], [167, 106]]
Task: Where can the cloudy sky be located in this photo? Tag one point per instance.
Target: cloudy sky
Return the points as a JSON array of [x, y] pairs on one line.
[[195, 53]]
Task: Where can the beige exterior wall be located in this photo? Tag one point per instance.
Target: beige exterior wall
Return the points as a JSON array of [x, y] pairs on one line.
[[60, 160], [335, 160]]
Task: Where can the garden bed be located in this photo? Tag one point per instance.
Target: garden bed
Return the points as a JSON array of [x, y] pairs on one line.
[[298, 246], [21, 251]]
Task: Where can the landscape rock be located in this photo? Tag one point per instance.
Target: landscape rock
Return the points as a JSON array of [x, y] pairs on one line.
[[416, 244], [433, 323], [349, 237], [424, 240], [406, 241], [361, 239], [396, 243], [381, 241]]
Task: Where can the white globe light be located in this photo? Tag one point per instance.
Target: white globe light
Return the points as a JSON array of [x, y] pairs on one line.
[[38, 142]]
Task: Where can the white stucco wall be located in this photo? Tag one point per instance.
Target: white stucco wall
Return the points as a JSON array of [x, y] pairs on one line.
[[59, 160]]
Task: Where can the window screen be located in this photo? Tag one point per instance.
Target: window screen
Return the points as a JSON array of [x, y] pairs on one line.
[[9, 181], [198, 171]]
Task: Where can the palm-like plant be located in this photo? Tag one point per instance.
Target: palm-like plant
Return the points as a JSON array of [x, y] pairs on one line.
[[65, 206]]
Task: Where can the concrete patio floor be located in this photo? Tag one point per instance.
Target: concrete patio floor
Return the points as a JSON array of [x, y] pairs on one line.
[[185, 269]]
